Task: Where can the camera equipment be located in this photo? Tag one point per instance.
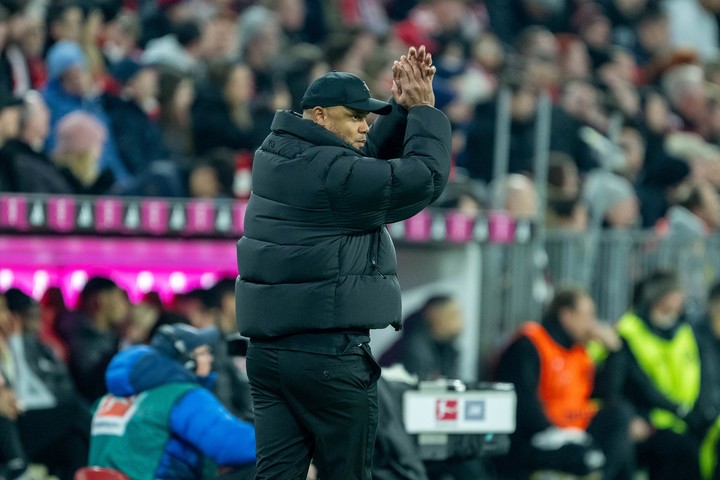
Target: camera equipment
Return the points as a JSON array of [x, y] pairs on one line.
[[452, 420]]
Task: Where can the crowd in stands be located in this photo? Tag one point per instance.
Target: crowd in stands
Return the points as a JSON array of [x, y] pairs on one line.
[[54, 358], [171, 97]]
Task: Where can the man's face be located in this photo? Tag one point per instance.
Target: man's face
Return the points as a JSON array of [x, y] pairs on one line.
[[579, 322], [349, 124], [114, 303], [666, 311], [77, 81], [203, 359], [10, 122], [144, 85], [31, 320]]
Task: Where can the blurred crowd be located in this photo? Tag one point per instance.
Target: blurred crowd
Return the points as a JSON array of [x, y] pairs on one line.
[[171, 97], [54, 357]]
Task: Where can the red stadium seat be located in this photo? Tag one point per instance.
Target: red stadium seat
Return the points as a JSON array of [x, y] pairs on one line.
[[99, 473]]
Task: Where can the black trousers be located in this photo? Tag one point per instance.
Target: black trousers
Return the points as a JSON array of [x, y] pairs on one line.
[[311, 406], [13, 462], [669, 455], [57, 437]]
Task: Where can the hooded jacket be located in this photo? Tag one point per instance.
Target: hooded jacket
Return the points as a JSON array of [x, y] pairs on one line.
[[174, 447], [315, 255]]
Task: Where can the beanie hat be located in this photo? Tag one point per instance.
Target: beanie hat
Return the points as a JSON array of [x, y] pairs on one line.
[[178, 340], [63, 56], [78, 132]]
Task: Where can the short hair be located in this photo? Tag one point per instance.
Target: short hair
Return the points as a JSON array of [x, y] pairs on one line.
[[92, 289], [652, 288], [714, 294], [566, 297]]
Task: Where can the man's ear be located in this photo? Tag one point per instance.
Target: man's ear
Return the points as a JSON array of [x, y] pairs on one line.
[[318, 115]]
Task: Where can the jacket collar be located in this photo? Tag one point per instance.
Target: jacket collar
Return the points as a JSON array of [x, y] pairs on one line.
[[286, 121]]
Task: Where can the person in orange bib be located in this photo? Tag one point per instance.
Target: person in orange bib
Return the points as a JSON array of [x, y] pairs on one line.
[[558, 425]]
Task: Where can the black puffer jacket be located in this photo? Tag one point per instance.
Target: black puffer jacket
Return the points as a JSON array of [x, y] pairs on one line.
[[315, 255]]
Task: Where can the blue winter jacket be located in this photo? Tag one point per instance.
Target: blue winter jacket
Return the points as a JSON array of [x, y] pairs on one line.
[[199, 424]]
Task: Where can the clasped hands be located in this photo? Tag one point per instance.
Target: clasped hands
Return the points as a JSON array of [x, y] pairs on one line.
[[412, 79]]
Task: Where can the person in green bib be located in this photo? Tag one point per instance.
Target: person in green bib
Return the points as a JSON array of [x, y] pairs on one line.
[[658, 370], [160, 421]]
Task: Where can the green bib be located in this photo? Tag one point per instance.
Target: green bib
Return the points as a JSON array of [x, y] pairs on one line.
[[130, 433], [672, 365]]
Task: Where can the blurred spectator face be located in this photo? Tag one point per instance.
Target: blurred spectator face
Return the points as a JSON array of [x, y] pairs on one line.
[[220, 38], [657, 113], [563, 175], [630, 8], [580, 321], [69, 26], [121, 36], [17, 26], [654, 35], [596, 33], [265, 46], [576, 61], [579, 99], [665, 312], [77, 81], [10, 122], [520, 197], [36, 127], [624, 66], [446, 320], [633, 146], [542, 60], [113, 304], [144, 85], [182, 100], [203, 359], [33, 40], [30, 320], [180, 12], [623, 214], [488, 52], [691, 102], [469, 205], [522, 105], [449, 14], [203, 183], [5, 324], [4, 33], [240, 85], [291, 14]]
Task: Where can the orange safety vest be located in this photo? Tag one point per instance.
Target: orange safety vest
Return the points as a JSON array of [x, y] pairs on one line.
[[566, 379]]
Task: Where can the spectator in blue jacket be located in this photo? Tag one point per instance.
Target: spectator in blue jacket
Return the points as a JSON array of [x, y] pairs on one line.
[[159, 420], [70, 88]]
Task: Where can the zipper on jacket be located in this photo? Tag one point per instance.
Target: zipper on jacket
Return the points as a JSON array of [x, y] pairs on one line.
[[375, 251]]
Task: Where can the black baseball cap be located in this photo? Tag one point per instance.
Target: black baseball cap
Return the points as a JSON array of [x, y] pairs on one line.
[[343, 89]]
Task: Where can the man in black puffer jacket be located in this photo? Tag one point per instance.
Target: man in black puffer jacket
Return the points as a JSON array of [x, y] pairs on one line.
[[318, 268]]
